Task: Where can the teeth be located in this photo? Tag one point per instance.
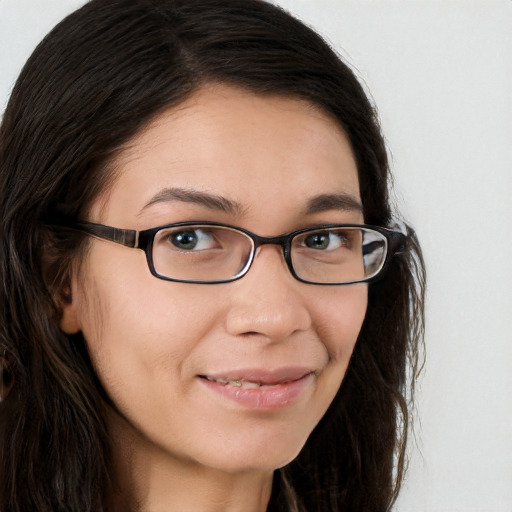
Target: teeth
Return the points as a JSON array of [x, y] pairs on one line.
[[250, 385], [238, 383]]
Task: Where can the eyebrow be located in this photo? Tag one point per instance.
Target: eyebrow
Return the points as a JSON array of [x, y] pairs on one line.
[[320, 203], [338, 201], [211, 201]]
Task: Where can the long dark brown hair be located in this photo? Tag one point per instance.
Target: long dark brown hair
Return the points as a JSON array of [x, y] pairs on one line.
[[94, 82]]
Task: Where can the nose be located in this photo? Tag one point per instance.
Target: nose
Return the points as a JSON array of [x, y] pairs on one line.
[[268, 301]]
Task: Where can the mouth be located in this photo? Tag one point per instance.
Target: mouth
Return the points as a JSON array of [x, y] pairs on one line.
[[238, 383], [261, 389], [258, 377]]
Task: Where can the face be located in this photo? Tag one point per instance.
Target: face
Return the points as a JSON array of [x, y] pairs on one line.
[[164, 350]]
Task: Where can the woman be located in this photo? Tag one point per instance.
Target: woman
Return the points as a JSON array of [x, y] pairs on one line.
[[205, 305]]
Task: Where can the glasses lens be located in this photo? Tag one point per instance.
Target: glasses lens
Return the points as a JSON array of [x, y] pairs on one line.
[[201, 253], [338, 255]]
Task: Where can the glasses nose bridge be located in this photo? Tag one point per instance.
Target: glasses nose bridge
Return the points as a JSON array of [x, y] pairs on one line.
[[281, 240]]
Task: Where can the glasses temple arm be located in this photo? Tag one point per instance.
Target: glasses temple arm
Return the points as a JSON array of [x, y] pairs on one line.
[[127, 237], [398, 242]]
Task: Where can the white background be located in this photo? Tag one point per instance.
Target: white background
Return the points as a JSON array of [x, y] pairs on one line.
[[441, 75]]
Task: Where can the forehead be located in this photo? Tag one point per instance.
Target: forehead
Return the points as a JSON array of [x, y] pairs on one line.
[[245, 147]]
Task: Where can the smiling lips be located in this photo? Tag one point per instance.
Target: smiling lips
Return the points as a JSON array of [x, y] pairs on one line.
[[261, 389]]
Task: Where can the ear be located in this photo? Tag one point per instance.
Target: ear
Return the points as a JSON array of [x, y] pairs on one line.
[[69, 321]]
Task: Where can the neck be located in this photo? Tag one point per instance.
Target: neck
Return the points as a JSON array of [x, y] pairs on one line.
[[148, 479]]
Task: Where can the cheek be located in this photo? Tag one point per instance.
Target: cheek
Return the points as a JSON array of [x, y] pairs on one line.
[[340, 316], [138, 329]]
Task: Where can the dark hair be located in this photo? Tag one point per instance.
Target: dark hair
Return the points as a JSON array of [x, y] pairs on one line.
[[94, 82]]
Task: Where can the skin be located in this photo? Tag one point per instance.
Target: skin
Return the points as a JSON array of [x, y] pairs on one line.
[[179, 445]]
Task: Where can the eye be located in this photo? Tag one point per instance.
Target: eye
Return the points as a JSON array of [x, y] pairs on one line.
[[192, 239], [325, 240]]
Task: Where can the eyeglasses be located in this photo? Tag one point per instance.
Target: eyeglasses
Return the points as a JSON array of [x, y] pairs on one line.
[[206, 252]]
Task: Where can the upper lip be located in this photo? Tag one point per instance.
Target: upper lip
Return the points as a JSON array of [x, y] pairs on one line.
[[263, 376]]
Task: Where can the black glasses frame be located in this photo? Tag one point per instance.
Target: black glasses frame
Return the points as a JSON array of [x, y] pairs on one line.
[[144, 240]]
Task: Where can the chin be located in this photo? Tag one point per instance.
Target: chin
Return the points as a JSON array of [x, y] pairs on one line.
[[264, 456]]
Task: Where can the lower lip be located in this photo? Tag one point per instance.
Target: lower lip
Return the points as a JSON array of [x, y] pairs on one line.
[[265, 399]]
